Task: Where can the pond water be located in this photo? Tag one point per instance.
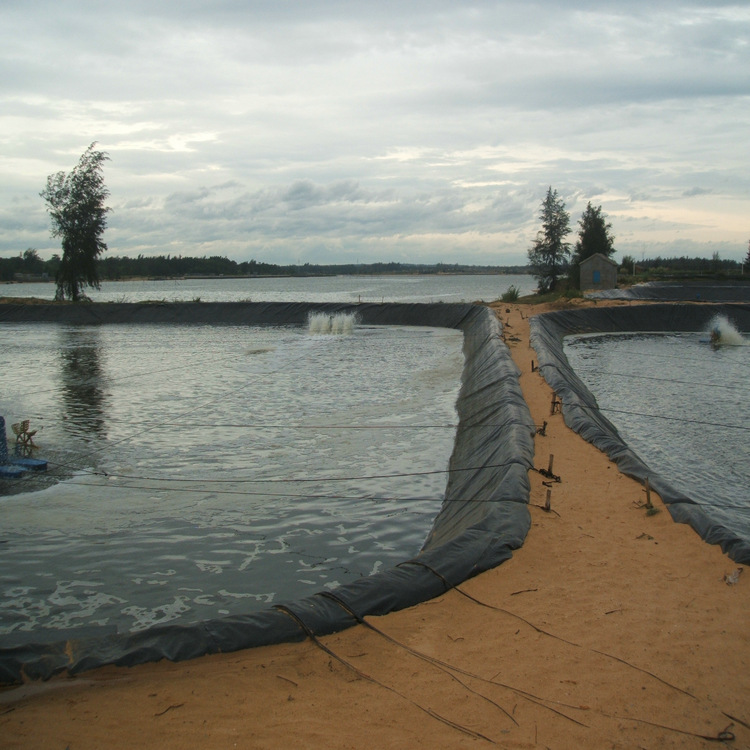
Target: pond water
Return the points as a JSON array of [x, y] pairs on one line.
[[198, 471], [683, 406], [396, 288]]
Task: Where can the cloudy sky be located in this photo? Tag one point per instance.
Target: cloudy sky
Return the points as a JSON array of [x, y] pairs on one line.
[[328, 131]]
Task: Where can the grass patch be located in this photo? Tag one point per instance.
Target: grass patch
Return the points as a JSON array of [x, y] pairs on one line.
[[573, 294], [511, 294]]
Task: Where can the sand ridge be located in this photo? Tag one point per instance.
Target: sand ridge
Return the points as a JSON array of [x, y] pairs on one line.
[[610, 628]]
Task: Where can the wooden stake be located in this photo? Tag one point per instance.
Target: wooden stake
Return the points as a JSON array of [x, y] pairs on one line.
[[555, 404], [551, 461], [648, 494], [548, 502]]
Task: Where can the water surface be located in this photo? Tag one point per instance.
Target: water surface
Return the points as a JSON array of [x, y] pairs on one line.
[[198, 471], [683, 406], [406, 288]]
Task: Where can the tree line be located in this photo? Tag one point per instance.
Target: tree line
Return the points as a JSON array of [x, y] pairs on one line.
[[684, 264], [28, 266], [553, 263], [76, 203]]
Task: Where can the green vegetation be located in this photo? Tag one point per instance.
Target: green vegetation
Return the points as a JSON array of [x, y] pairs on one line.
[[572, 293], [555, 271], [28, 266], [75, 202], [511, 294], [548, 256], [594, 236], [681, 269]]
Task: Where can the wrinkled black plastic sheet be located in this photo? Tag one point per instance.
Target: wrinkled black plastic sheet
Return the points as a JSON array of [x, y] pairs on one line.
[[483, 518], [581, 411], [708, 291]]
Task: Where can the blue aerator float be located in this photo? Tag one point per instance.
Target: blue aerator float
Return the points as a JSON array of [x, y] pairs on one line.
[[13, 467]]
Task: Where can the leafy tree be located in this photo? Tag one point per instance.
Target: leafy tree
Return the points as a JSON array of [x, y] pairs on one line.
[[747, 257], [75, 202], [593, 237], [32, 263], [548, 256], [628, 263]]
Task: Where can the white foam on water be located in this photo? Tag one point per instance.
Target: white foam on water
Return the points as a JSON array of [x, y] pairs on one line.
[[724, 333], [338, 324], [682, 407], [182, 453]]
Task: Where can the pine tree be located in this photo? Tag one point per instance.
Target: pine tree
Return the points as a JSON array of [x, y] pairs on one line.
[[593, 237], [548, 256]]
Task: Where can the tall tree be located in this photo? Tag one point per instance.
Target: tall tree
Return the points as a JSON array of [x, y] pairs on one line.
[[594, 236], [75, 202], [32, 263], [548, 256]]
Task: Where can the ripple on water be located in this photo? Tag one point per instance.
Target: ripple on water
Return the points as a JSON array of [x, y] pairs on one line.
[[683, 406], [165, 506]]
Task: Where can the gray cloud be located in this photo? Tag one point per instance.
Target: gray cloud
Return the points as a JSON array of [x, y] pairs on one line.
[[373, 130]]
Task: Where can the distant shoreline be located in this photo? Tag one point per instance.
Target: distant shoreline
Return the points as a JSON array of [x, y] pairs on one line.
[[194, 277]]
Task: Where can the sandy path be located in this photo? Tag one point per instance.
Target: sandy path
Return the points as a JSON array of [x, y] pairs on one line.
[[610, 628]]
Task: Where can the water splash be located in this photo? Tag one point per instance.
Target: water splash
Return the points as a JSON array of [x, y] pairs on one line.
[[723, 332], [340, 323]]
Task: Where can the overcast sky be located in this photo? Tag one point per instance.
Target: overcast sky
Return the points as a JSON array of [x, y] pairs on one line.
[[332, 131]]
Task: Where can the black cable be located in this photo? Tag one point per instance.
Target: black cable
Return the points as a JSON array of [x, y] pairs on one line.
[[281, 426], [358, 478], [382, 499], [646, 355], [294, 426], [150, 425], [732, 387], [158, 423], [671, 419]]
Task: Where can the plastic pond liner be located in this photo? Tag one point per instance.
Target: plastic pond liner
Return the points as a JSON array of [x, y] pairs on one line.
[[580, 409], [483, 518]]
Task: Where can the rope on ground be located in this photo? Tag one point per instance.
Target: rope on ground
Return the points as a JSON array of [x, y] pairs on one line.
[[725, 735], [572, 643], [442, 666], [739, 721], [540, 630], [447, 585], [536, 700], [370, 678]]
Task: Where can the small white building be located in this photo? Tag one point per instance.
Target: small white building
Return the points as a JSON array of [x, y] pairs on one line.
[[598, 272]]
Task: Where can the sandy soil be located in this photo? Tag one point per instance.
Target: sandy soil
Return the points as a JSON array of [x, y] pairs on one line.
[[610, 628]]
